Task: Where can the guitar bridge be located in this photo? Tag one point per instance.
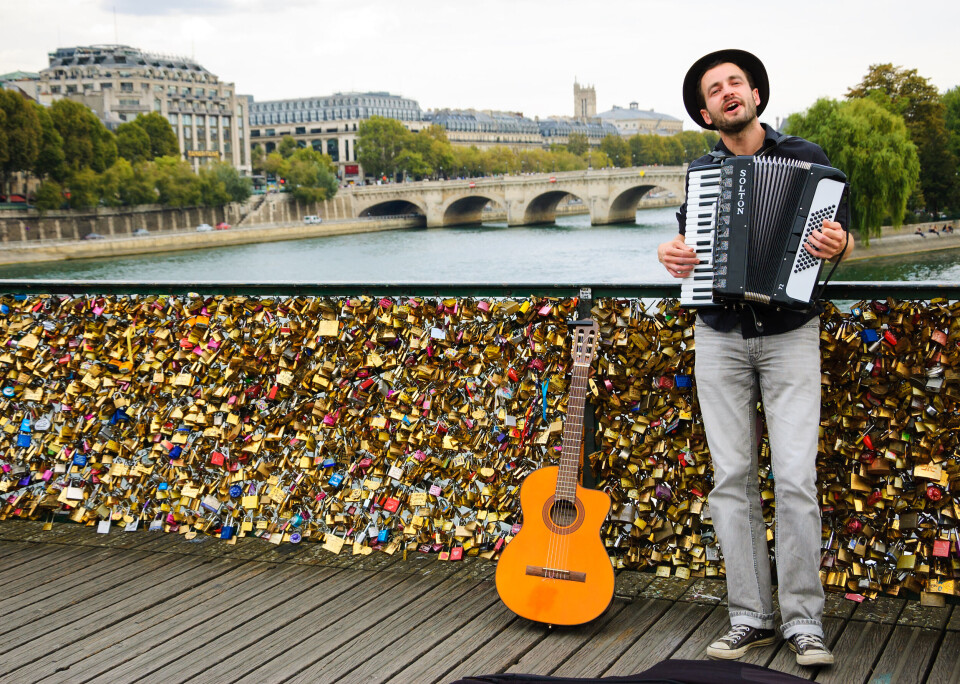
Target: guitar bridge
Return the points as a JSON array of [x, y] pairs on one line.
[[554, 573]]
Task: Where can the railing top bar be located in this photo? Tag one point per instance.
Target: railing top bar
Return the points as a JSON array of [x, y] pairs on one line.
[[837, 290]]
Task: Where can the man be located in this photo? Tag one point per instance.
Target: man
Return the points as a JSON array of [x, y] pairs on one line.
[[745, 353]]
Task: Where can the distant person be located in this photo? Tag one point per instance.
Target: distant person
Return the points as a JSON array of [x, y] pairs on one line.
[[919, 231], [933, 229]]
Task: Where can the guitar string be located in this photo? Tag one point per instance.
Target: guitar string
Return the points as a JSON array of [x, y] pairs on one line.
[[578, 386]]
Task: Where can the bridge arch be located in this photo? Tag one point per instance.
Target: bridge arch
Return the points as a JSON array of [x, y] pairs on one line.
[[542, 208], [468, 209], [623, 206], [396, 207]]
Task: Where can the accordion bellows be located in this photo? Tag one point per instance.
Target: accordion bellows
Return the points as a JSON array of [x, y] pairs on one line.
[[747, 220]]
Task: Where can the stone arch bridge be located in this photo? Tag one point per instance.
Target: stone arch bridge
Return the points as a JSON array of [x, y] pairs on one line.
[[611, 195]]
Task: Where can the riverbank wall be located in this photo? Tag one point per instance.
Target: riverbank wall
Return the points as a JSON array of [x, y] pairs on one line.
[[907, 240]]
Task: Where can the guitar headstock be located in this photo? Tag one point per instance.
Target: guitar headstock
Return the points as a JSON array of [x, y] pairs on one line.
[[586, 335]]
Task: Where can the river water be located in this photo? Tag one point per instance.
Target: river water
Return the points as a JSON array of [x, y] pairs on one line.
[[568, 251]]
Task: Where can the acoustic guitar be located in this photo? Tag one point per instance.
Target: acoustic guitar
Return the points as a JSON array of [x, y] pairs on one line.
[[556, 569]]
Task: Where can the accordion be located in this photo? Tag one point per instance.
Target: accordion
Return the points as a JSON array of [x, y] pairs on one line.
[[747, 221]]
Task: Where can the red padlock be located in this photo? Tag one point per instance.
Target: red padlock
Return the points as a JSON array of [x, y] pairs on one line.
[[391, 504], [934, 493], [854, 526], [216, 458], [941, 548]]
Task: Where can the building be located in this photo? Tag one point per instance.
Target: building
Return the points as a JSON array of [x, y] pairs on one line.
[[584, 102], [120, 82], [328, 123], [636, 121], [23, 81], [485, 129]]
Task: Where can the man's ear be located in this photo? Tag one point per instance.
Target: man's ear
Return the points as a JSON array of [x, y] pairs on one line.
[[756, 97], [706, 116]]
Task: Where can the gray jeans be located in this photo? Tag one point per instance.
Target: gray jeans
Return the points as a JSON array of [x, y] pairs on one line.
[[732, 374]]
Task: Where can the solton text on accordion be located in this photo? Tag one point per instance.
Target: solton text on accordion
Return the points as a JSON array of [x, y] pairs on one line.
[[742, 192]]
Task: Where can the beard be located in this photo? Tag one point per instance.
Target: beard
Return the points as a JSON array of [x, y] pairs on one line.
[[743, 119]]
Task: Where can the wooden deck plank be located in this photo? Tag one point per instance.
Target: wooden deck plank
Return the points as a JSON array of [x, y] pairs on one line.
[[914, 614], [885, 609], [838, 605], [713, 626], [19, 562], [661, 640], [137, 621], [619, 634], [67, 609], [238, 603], [340, 620], [946, 668], [81, 583], [52, 568], [516, 637], [273, 627], [106, 612], [346, 665], [909, 653], [785, 660], [435, 664], [859, 646], [210, 629], [444, 624], [954, 623], [562, 642]]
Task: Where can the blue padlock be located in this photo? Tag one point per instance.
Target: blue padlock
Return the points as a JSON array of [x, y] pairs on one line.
[[175, 452], [23, 440], [24, 481], [79, 460], [25, 425], [235, 491], [162, 487], [296, 520], [4, 309], [336, 479], [295, 538], [8, 392], [329, 463], [383, 536], [226, 532], [869, 335], [682, 381]]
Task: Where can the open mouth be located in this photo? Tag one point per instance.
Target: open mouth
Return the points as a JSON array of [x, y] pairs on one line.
[[731, 107]]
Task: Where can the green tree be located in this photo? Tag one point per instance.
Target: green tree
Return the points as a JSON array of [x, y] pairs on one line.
[[276, 165], [904, 92], [694, 145], [647, 149], [133, 143], [163, 139], [951, 118], [22, 133], [257, 159], [84, 188], [287, 146], [237, 187], [50, 155], [615, 147], [578, 143], [673, 151], [4, 153], [177, 185], [873, 148], [49, 196], [310, 176], [379, 141], [86, 142], [412, 164]]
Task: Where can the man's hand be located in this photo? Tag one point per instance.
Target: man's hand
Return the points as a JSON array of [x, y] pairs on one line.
[[828, 242], [676, 257]]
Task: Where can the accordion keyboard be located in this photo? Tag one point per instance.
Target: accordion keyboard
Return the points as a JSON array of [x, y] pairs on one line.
[[703, 190]]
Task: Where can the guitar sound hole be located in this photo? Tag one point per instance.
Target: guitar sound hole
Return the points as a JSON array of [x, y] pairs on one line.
[[563, 513]]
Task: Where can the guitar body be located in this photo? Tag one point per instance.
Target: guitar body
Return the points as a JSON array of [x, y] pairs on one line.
[[560, 540]]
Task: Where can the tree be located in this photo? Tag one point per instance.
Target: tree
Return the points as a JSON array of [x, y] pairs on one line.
[[873, 148], [672, 151], [617, 149], [310, 176], [257, 159], [177, 185], [238, 188], [86, 142], [84, 188], [126, 185], [379, 141], [21, 128], [412, 163], [287, 146], [647, 149], [578, 143], [49, 196], [951, 118], [50, 155], [163, 139], [905, 92], [133, 143], [694, 145]]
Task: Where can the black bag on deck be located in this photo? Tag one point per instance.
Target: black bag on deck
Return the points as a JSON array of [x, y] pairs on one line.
[[666, 672]]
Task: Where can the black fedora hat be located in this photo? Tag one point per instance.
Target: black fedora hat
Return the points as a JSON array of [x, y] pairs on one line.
[[743, 59]]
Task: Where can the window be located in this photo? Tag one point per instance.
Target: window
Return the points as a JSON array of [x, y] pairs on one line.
[[270, 131], [55, 90], [126, 87], [172, 118], [187, 119]]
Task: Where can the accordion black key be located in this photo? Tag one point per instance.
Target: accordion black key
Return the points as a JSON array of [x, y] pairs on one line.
[[747, 221]]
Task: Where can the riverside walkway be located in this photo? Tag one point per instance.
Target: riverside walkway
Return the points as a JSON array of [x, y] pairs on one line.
[[147, 606]]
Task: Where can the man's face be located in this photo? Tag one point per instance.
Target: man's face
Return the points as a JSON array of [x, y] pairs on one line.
[[731, 105]]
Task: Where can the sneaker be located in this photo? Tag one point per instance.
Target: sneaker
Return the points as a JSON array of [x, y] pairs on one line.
[[739, 640], [810, 649]]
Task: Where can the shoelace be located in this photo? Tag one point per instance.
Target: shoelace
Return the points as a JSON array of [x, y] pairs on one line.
[[736, 633], [805, 641]]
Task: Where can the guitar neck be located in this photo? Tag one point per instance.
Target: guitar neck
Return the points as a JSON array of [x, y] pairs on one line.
[[573, 434]]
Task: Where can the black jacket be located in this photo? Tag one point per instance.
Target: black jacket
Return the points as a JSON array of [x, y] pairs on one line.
[[757, 319]]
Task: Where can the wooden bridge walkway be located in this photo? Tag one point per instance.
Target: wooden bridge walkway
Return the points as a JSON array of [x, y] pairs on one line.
[[77, 606]]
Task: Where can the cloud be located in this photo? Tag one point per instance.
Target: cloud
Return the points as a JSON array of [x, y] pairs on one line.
[[173, 7]]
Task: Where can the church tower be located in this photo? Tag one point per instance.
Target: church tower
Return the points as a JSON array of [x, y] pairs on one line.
[[584, 102]]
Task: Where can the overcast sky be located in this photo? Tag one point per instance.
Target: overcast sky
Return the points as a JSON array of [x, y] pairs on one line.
[[514, 55]]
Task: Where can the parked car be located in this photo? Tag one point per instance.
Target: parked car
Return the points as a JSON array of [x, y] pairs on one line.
[[312, 219], [141, 231], [222, 226], [204, 228], [93, 236]]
